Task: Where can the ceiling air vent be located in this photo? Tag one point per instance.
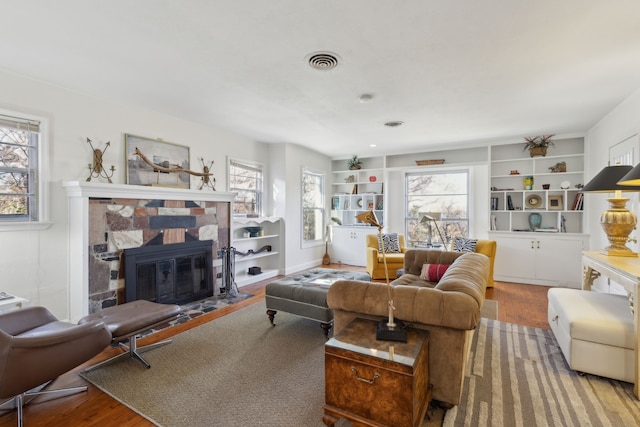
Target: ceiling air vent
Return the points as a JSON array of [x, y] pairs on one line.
[[394, 123], [323, 61]]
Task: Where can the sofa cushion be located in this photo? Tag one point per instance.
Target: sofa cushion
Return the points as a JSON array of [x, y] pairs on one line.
[[433, 272], [462, 244], [391, 243]]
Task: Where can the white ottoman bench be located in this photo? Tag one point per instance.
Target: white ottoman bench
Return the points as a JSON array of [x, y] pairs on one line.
[[595, 332]]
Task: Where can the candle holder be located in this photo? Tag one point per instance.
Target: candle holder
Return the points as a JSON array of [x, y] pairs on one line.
[[96, 170]]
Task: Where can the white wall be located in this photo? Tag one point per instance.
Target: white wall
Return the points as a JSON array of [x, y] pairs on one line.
[[290, 161], [34, 263], [621, 123]]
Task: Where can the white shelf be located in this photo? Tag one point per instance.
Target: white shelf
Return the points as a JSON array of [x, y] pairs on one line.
[[253, 257], [247, 239], [242, 278], [269, 262]]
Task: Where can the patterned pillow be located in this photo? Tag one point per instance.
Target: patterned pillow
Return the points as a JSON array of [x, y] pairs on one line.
[[461, 244], [391, 243], [433, 272]]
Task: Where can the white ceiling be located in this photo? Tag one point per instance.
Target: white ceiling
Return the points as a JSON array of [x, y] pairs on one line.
[[452, 70]]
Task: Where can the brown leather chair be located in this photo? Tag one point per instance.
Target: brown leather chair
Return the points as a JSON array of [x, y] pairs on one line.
[[36, 348]]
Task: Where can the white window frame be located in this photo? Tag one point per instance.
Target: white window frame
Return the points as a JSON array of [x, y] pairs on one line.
[[259, 167], [322, 208], [40, 174], [410, 219]]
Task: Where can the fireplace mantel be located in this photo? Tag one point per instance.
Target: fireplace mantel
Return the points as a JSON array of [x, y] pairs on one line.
[[78, 195], [96, 189]]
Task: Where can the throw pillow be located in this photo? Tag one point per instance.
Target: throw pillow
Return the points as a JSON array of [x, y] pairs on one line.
[[462, 244], [433, 272], [391, 243]]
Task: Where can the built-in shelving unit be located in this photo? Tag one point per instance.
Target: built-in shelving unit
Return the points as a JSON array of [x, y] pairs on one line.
[[513, 200], [357, 191], [267, 260], [550, 255]]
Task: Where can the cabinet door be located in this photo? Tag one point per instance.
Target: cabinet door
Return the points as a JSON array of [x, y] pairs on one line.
[[559, 260], [349, 246], [515, 258]]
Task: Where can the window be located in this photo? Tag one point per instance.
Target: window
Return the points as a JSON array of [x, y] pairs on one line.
[[245, 179], [312, 207], [21, 180], [444, 194]]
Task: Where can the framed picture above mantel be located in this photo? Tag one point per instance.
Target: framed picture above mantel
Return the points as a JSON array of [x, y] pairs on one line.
[[151, 161]]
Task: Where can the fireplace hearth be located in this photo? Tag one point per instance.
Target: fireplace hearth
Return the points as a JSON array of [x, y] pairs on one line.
[[170, 274]]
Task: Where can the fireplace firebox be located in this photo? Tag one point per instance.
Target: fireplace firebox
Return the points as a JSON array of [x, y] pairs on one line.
[[170, 274]]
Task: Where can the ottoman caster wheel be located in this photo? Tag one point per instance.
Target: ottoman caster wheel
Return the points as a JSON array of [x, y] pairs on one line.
[[272, 315]]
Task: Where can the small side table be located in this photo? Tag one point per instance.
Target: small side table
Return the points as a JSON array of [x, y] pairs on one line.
[[13, 303], [374, 383]]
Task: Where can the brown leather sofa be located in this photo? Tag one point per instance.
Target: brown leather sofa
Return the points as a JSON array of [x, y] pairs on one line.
[[448, 309]]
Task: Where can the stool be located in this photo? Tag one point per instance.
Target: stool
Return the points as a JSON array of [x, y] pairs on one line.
[[305, 294], [127, 321], [595, 332]]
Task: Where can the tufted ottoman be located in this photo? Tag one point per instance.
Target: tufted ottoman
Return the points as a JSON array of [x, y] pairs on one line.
[[305, 294], [595, 331]]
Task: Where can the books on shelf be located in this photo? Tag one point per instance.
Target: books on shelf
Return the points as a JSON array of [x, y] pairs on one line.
[[578, 203], [509, 203]]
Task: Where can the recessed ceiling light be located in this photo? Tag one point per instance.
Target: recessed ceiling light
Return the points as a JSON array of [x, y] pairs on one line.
[[367, 97], [394, 123], [373, 145], [323, 61]]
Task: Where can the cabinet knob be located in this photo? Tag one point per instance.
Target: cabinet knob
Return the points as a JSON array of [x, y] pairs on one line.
[[538, 244], [532, 245]]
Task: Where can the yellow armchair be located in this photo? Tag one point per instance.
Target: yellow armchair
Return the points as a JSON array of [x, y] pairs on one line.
[[375, 263]]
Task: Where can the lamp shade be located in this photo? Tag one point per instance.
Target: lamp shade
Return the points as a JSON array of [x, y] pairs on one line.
[[607, 180], [632, 178]]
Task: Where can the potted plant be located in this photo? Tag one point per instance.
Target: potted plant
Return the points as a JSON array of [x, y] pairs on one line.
[[354, 162], [538, 145]]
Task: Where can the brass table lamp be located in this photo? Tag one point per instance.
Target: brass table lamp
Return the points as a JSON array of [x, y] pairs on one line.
[[617, 222]]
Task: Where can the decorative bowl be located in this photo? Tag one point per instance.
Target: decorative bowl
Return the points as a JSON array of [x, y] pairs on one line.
[[253, 231]]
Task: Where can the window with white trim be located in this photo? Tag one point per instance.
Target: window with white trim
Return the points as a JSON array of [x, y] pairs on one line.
[[443, 195], [246, 179], [21, 195], [313, 207]]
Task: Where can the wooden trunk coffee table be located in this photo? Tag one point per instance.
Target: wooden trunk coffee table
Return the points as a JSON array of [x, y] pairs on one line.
[[376, 383]]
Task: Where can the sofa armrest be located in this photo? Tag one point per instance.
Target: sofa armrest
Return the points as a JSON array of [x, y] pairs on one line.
[[428, 306]]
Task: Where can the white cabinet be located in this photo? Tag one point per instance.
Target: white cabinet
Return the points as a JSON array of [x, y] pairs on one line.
[[539, 258], [349, 244], [261, 251], [513, 199]]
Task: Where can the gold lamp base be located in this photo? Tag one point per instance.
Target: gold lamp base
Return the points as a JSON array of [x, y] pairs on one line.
[[618, 222]]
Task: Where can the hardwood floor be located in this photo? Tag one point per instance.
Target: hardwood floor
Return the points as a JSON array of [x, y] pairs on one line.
[[517, 303]]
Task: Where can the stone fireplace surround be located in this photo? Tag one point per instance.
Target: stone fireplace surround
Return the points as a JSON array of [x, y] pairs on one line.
[[105, 219]]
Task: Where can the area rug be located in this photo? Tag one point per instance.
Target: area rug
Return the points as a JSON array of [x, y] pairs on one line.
[[235, 370], [517, 376]]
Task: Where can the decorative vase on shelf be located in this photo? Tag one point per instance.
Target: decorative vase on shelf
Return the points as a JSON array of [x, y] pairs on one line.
[[535, 221]]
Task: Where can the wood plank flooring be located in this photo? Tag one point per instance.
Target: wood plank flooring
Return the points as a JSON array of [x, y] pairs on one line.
[[517, 303]]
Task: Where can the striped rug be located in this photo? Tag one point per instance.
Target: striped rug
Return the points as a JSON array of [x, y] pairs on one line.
[[517, 376]]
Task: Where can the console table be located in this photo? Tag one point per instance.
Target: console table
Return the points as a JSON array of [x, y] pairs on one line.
[[626, 272]]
